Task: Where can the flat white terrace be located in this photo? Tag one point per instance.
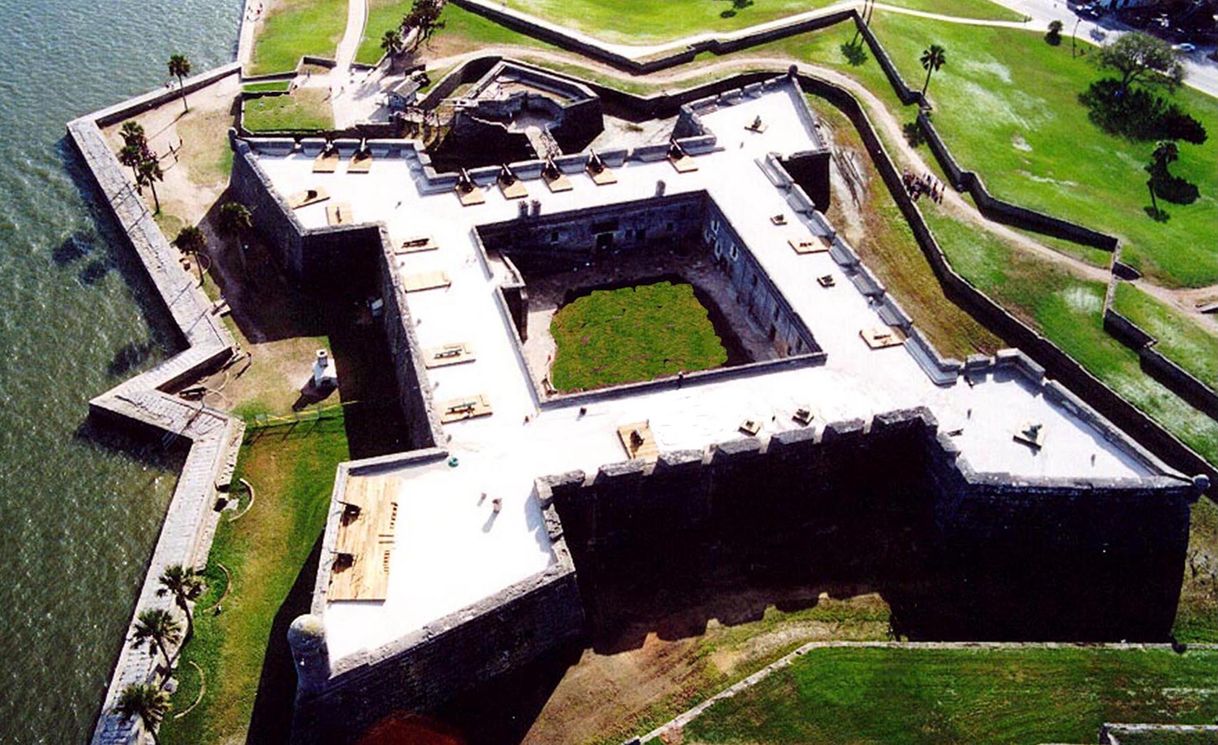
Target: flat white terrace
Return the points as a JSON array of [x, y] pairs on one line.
[[451, 551]]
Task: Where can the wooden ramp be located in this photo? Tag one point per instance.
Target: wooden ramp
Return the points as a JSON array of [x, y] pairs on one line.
[[882, 337], [307, 197], [638, 441], [365, 540], [513, 190], [460, 409], [360, 163], [415, 245], [558, 183], [449, 354], [809, 245], [425, 281], [339, 214], [327, 162], [603, 177], [472, 197], [683, 164]]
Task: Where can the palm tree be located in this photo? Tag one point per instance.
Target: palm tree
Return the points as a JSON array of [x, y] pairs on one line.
[[186, 585], [157, 628], [132, 132], [132, 155], [933, 57], [146, 701], [1166, 152], [392, 43], [148, 172], [179, 67], [234, 219], [191, 241]]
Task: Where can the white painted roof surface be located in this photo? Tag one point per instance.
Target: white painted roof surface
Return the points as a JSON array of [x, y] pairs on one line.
[[449, 554]]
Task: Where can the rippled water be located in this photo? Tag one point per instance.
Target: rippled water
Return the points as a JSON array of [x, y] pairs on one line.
[[79, 513]]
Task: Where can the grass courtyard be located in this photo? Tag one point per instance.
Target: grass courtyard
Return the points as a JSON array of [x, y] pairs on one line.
[[268, 551], [303, 110], [999, 697], [632, 334]]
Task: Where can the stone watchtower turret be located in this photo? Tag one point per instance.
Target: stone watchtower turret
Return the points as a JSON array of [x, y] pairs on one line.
[[307, 637]]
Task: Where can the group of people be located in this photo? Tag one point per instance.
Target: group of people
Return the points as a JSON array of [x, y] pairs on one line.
[[252, 14], [923, 185]]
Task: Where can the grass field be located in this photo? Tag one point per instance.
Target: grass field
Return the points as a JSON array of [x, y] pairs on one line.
[[632, 334], [1181, 339], [294, 28], [998, 697], [463, 31], [643, 21], [305, 110], [267, 551], [1007, 104]]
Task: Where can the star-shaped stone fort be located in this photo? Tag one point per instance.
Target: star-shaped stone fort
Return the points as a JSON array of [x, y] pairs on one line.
[[485, 546]]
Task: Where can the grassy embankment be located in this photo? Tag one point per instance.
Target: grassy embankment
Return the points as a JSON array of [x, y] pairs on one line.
[[1180, 338], [908, 697], [294, 28], [269, 553], [633, 334], [641, 22]]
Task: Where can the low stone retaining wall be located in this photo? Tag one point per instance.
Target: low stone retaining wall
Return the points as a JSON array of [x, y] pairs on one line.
[[1180, 381], [214, 438]]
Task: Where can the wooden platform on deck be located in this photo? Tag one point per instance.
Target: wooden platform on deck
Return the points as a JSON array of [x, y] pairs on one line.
[[365, 540]]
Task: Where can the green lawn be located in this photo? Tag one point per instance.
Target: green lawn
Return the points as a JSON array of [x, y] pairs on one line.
[[1007, 104], [632, 334], [1181, 339], [646, 21], [305, 110], [269, 86], [294, 28], [463, 31], [940, 697], [267, 552]]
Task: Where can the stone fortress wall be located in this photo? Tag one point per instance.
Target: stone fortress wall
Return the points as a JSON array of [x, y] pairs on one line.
[[146, 402], [984, 519], [767, 503]]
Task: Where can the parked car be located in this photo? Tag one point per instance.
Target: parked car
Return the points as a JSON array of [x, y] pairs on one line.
[[1186, 48]]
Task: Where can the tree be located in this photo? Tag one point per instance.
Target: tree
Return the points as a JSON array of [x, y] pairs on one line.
[[191, 241], [1054, 36], [157, 628], [185, 585], [179, 67], [1142, 58], [1166, 152], [131, 156], [234, 219], [424, 20], [145, 701], [392, 44], [147, 173], [132, 133], [933, 58]]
